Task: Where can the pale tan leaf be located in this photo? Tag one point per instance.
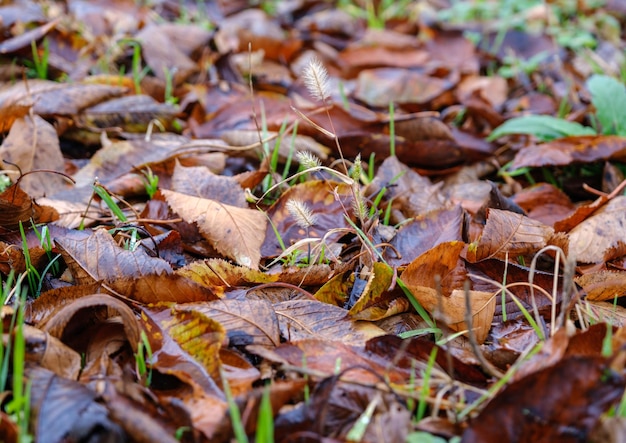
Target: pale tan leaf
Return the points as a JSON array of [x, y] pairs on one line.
[[219, 274], [603, 312], [72, 214], [33, 144], [238, 233], [120, 157], [199, 181], [240, 137], [483, 306], [447, 294], [593, 238], [54, 98], [603, 285]]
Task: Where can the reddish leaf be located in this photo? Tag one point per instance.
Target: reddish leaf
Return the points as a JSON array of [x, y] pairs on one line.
[[560, 403], [564, 151]]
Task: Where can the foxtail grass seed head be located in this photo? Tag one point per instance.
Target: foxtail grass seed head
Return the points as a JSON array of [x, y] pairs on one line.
[[305, 218], [316, 79], [308, 160], [357, 169], [360, 207]]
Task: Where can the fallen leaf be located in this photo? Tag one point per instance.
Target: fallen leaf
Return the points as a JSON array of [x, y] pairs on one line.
[[562, 403], [592, 240], [444, 262], [304, 319], [33, 144], [235, 232]]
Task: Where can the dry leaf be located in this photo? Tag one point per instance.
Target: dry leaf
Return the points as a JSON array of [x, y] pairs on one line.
[[238, 233], [592, 240], [444, 261], [301, 319], [33, 144], [509, 233]]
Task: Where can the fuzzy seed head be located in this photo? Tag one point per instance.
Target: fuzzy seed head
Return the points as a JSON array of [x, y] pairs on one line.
[[305, 218], [360, 207], [357, 169], [308, 160], [316, 79]]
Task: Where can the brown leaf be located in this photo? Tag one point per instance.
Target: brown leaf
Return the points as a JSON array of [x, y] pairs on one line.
[[62, 407], [410, 192], [50, 353], [404, 354], [561, 403], [378, 87], [509, 233], [545, 202], [235, 232], [53, 98], [167, 47], [329, 357], [567, 150], [43, 306], [488, 275], [33, 144], [246, 322], [65, 322], [444, 261], [132, 113], [120, 157], [423, 233], [17, 206], [161, 288], [96, 256], [591, 241], [23, 41], [302, 319]]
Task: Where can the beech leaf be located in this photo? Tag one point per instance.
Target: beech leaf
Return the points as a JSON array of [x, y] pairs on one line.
[[238, 233]]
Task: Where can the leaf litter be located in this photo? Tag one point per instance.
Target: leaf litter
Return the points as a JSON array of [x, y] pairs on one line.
[[312, 221]]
